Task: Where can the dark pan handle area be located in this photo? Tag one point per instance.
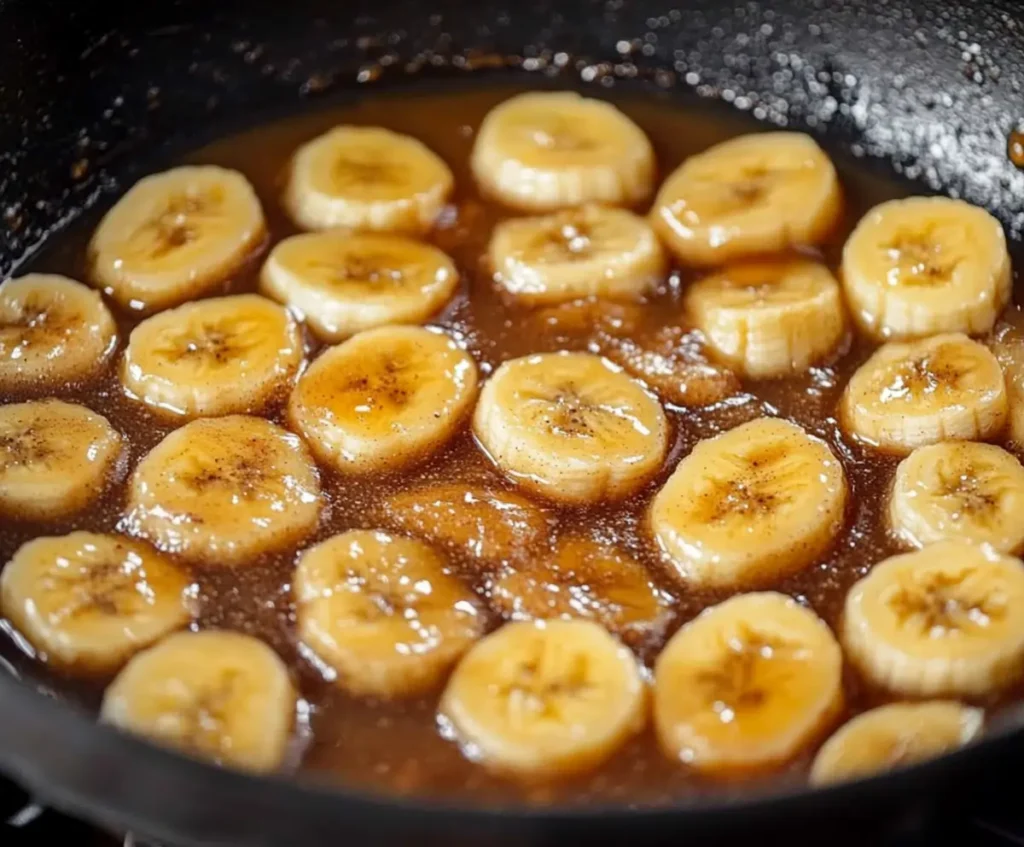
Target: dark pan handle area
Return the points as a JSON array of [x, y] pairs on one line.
[[90, 91]]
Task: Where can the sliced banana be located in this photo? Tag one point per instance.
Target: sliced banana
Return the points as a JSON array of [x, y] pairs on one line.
[[894, 736], [674, 364], [86, 601], [341, 284], [942, 621], [746, 685], [480, 521], [382, 611], [385, 398], [545, 699], [592, 251], [571, 426], [583, 578], [924, 265], [959, 490], [53, 331], [547, 150], [225, 490], [1007, 344], [222, 356], [750, 507], [755, 194], [176, 235], [220, 696], [368, 179], [55, 458], [913, 393], [769, 319]]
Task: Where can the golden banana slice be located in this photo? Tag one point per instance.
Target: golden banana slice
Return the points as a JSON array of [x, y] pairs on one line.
[[583, 578], [571, 426], [593, 251], [53, 331], [222, 356], [220, 696], [547, 150], [1007, 344], [176, 235], [674, 364], [385, 398], [86, 602], [769, 319], [545, 699], [959, 490], [895, 736], [913, 393], [225, 490], [382, 611], [747, 685], [942, 621], [368, 179], [342, 284], [55, 458], [750, 507], [479, 521], [755, 194], [924, 265]]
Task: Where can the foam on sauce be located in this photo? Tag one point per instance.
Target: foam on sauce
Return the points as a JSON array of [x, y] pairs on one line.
[[398, 747]]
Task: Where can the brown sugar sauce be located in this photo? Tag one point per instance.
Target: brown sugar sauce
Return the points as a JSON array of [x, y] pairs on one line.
[[396, 747]]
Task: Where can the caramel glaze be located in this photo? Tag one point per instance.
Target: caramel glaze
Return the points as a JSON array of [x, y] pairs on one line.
[[396, 748]]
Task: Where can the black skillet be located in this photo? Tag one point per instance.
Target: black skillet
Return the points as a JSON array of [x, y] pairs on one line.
[[929, 89]]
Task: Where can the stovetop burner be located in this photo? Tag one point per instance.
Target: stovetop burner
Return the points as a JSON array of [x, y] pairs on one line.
[[25, 823]]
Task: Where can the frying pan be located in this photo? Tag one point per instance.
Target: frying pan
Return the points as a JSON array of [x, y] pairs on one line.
[[927, 89]]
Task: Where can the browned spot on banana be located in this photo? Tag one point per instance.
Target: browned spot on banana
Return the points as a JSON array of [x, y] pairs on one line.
[[675, 364], [919, 259], [735, 683], [110, 589], [756, 483], [180, 223], [980, 501], [386, 387], [942, 603], [926, 375], [23, 448]]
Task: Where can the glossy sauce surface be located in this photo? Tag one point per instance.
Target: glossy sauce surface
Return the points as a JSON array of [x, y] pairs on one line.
[[397, 747]]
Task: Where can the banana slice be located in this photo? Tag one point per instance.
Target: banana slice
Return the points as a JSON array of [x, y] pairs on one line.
[[571, 426], [545, 699], [342, 284], [592, 251], [755, 194], [913, 393], [225, 490], [53, 331], [925, 265], [746, 685], [942, 621], [894, 736], [86, 602], [368, 179], [769, 319], [1007, 344], [383, 612], [479, 521], [583, 578], [750, 506], [220, 696], [674, 364], [222, 356], [546, 150], [55, 458], [385, 398], [176, 235], [959, 490]]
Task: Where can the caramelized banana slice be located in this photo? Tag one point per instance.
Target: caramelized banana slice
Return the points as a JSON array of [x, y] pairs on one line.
[[225, 490], [382, 611], [220, 696], [86, 602], [582, 578], [482, 522]]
